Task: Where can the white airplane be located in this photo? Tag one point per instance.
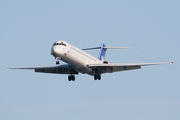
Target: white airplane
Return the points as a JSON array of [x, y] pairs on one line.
[[79, 61]]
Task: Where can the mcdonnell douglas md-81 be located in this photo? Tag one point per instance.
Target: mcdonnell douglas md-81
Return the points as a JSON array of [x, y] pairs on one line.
[[79, 61]]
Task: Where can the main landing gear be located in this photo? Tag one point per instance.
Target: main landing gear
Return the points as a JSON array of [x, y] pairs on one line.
[[97, 76], [71, 77]]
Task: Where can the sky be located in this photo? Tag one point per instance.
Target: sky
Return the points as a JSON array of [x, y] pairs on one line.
[[29, 28]]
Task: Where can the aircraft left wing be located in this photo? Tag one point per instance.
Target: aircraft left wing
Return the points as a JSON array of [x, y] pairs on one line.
[[109, 68], [57, 69]]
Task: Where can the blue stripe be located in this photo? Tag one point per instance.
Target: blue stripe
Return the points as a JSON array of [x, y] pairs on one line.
[[102, 53]]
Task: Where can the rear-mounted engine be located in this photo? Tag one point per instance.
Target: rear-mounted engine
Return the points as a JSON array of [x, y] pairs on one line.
[[106, 62]]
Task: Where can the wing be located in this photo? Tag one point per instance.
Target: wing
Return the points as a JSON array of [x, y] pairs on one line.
[[109, 68], [57, 69]]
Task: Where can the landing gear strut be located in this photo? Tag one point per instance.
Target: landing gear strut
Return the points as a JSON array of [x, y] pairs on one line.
[[71, 77], [97, 76]]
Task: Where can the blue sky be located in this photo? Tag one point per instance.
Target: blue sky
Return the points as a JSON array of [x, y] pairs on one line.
[[29, 28]]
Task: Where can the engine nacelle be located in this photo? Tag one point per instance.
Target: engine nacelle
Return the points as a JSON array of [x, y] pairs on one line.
[[106, 62]]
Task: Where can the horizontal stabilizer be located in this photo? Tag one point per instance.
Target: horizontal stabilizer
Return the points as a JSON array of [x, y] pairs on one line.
[[92, 48], [110, 48], [120, 47]]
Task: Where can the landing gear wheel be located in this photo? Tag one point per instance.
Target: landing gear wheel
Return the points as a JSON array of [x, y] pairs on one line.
[[99, 77], [57, 62], [95, 77], [71, 77]]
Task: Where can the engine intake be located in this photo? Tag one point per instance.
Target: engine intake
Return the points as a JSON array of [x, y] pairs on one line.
[[106, 62]]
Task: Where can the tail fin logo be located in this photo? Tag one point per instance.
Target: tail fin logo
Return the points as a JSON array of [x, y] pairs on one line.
[[102, 58]]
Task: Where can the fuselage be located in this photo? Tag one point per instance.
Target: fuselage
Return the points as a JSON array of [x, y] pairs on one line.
[[74, 56]]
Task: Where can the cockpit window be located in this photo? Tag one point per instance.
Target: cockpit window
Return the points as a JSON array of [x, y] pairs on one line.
[[60, 44]]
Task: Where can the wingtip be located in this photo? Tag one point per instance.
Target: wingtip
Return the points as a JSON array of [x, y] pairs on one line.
[[7, 68], [171, 63]]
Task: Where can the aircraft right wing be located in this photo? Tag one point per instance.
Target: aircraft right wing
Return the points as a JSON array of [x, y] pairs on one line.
[[57, 69], [109, 68]]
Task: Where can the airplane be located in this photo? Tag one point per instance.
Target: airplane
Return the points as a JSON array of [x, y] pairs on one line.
[[79, 61]]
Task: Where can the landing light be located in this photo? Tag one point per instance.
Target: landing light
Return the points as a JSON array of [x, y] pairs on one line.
[[170, 62]]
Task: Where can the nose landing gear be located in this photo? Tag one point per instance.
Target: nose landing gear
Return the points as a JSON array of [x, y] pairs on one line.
[[58, 60]]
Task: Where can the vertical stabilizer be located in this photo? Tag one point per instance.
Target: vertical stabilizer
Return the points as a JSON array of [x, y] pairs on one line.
[[102, 52]]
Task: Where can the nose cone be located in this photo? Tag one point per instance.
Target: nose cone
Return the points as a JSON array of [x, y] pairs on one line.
[[56, 51]]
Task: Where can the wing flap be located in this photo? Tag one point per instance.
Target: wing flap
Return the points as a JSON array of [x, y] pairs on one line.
[[57, 69], [128, 64], [109, 68], [117, 68]]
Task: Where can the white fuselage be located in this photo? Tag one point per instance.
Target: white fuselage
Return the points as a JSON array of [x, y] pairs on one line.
[[74, 56]]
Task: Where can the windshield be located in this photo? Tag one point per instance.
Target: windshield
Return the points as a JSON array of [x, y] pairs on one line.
[[60, 44]]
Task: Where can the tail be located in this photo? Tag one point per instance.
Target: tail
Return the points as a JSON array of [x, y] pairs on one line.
[[102, 52]]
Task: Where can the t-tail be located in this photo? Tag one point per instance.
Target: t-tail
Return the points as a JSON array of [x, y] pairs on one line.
[[104, 48]]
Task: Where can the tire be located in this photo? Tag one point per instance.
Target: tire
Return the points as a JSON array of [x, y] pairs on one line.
[[95, 77], [99, 77], [69, 78], [57, 62], [73, 77]]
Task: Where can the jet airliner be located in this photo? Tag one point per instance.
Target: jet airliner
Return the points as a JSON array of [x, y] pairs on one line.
[[79, 61]]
